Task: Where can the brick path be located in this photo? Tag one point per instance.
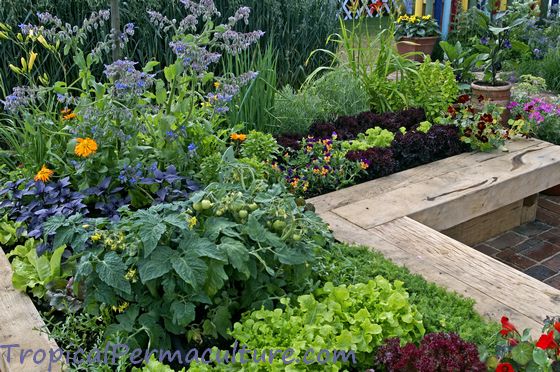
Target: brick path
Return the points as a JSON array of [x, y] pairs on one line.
[[533, 248]]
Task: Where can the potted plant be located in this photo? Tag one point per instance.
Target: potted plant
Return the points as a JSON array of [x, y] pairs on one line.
[[416, 36], [493, 50]]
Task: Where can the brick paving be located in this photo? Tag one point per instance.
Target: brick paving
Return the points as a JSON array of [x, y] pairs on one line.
[[533, 248]]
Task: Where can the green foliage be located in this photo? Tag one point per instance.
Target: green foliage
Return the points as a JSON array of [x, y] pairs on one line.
[[261, 146], [433, 88], [548, 69], [154, 365], [285, 21], [80, 331], [338, 92], [482, 130], [530, 85], [549, 131], [414, 26], [190, 268], [424, 127], [254, 102], [441, 310], [8, 231], [295, 112], [462, 60], [374, 137], [357, 317], [522, 353], [493, 46], [36, 273], [342, 93]]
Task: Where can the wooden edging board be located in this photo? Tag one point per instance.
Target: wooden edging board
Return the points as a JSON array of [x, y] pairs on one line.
[[20, 323], [401, 215]]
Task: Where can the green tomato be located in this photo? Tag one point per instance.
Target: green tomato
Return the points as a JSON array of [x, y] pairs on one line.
[[253, 206], [197, 206], [296, 237], [278, 225], [206, 204], [243, 213], [219, 212]]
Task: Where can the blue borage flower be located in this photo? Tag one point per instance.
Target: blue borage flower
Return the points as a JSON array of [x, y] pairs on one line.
[[20, 98], [126, 79]]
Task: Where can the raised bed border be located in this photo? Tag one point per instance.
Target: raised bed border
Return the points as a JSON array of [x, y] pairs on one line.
[[401, 216]]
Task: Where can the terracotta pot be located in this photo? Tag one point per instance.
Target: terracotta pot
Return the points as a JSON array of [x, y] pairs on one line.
[[499, 94], [553, 191], [417, 44]]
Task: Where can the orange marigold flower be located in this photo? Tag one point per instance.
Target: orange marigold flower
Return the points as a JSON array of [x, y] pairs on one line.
[[65, 111], [44, 174], [238, 137], [85, 147], [69, 116]]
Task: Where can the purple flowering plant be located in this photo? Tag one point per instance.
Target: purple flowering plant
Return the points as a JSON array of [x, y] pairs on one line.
[[132, 113], [319, 166], [535, 116]]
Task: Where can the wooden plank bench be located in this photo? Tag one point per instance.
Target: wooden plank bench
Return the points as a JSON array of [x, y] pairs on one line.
[[401, 216], [20, 323]]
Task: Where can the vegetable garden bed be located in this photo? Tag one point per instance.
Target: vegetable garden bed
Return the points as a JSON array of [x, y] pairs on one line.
[[400, 215]]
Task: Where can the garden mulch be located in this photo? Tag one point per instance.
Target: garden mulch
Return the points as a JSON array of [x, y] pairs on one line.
[[534, 247]]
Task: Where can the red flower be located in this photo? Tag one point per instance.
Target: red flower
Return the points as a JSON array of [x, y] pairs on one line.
[[481, 125], [557, 326], [512, 342], [507, 327], [464, 98], [505, 367], [451, 110], [487, 117], [480, 98], [547, 341], [467, 132]]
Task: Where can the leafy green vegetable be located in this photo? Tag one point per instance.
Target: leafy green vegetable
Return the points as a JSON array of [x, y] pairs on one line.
[[441, 310], [191, 268], [35, 273], [357, 317]]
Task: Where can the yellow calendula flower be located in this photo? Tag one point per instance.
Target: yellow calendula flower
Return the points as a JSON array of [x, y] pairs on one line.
[[238, 137], [69, 116], [427, 17], [44, 174], [85, 147], [192, 222], [217, 84], [206, 104]]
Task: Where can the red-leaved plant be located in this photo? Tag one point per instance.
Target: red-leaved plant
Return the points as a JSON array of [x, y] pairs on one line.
[[518, 352], [437, 352]]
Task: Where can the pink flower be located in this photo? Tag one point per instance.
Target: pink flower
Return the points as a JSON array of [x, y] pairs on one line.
[[536, 116]]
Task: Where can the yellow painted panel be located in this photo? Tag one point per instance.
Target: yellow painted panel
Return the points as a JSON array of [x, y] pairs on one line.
[[418, 8]]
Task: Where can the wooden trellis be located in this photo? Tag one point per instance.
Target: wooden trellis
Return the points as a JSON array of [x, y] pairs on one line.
[[354, 9]]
